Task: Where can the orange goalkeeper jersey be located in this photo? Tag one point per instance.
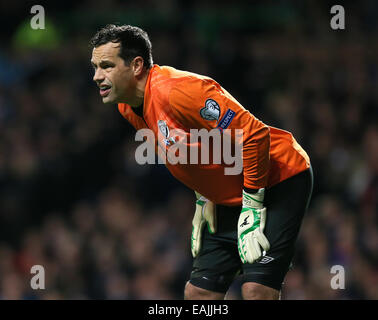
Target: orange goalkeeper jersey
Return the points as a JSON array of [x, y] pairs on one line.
[[175, 99]]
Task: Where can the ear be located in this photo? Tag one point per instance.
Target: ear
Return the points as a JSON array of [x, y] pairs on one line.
[[137, 65]]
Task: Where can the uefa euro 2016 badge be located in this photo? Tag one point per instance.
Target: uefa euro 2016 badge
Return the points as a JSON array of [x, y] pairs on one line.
[[211, 110], [165, 132]]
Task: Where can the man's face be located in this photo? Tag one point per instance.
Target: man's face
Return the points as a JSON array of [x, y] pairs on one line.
[[115, 80]]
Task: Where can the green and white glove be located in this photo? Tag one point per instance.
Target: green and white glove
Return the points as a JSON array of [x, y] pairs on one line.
[[205, 213], [251, 226]]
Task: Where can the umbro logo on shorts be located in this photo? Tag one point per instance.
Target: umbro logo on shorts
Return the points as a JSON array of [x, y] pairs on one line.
[[266, 259]]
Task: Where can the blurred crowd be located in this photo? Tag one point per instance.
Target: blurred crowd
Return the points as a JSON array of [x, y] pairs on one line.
[[74, 200]]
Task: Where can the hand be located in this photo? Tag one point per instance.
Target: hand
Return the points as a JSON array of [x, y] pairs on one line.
[[251, 225], [205, 212]]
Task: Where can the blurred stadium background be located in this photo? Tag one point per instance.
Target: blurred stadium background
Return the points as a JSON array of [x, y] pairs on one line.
[[72, 198]]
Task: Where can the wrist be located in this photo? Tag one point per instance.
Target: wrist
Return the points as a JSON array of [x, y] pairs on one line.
[[250, 191], [254, 200], [200, 197]]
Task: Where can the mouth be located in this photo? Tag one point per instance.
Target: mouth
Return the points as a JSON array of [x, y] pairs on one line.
[[105, 90]]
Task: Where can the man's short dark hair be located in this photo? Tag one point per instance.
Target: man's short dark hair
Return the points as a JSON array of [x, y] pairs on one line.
[[134, 42]]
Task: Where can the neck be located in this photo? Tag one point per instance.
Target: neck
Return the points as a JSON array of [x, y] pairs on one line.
[[139, 90]]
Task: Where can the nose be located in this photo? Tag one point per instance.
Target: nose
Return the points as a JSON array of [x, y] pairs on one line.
[[98, 76]]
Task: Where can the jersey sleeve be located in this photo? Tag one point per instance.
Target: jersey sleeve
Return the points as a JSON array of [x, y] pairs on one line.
[[203, 103]]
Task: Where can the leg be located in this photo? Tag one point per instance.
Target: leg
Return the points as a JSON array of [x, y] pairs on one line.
[[263, 278], [218, 262], [256, 291], [196, 293]]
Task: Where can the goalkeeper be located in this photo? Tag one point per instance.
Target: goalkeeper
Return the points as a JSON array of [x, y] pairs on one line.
[[254, 217]]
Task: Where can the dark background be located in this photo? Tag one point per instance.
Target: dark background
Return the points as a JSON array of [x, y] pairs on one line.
[[72, 197]]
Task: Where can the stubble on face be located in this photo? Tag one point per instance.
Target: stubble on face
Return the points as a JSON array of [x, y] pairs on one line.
[[112, 75]]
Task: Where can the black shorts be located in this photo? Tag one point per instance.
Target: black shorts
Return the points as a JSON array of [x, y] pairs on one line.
[[218, 262]]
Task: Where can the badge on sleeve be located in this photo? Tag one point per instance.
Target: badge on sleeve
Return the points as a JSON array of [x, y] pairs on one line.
[[163, 128], [165, 132], [211, 110]]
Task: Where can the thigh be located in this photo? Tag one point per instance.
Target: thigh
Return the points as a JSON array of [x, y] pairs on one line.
[[286, 204], [218, 262]]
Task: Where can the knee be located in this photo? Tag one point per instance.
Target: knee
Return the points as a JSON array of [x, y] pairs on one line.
[[256, 291], [195, 293]]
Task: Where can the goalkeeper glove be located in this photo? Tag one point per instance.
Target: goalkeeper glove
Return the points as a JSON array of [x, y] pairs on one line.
[[205, 212], [251, 226]]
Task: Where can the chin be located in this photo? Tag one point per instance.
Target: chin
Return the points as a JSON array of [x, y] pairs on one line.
[[108, 100]]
